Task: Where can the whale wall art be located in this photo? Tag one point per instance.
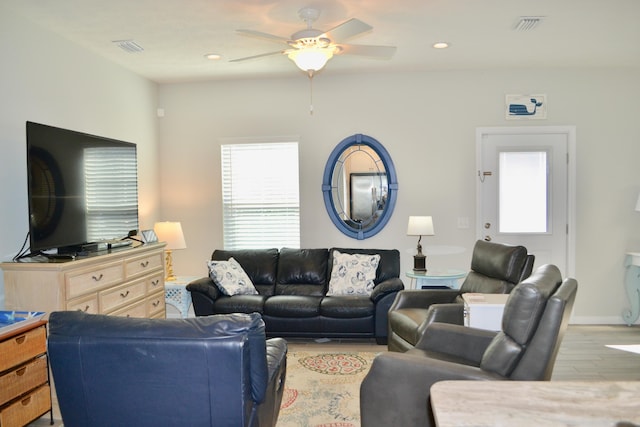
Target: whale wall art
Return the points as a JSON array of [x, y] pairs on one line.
[[519, 107]]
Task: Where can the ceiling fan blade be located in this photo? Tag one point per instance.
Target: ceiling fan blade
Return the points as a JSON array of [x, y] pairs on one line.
[[257, 56], [263, 35], [384, 52], [348, 29]]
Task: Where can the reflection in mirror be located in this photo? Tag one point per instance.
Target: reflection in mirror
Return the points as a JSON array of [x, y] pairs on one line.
[[359, 186]]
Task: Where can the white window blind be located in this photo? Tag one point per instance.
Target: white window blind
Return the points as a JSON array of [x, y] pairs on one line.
[[111, 192], [260, 195]]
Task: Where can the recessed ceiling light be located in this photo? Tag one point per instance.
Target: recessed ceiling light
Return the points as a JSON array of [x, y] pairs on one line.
[[213, 56], [441, 45]]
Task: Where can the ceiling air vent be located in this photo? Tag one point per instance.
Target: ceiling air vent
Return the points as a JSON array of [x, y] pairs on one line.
[[528, 23], [128, 46]]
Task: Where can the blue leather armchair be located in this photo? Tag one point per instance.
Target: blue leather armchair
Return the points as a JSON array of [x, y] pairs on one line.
[[214, 370]]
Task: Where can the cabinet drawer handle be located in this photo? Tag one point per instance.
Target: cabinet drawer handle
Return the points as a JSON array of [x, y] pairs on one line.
[[86, 308], [21, 339], [98, 278], [144, 263], [124, 294], [156, 303], [20, 372], [26, 401], [155, 282]]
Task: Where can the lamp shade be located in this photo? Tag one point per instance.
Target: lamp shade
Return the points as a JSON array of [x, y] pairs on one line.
[[420, 226], [311, 58], [171, 233]]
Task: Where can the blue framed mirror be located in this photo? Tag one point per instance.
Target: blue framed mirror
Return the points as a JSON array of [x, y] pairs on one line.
[[359, 186]]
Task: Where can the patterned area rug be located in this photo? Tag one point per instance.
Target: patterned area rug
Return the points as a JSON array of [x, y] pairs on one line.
[[323, 389]]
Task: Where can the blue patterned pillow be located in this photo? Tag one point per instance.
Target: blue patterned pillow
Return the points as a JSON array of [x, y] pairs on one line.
[[230, 278], [353, 274]]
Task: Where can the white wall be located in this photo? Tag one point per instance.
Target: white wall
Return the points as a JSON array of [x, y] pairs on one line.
[[45, 79], [427, 122]]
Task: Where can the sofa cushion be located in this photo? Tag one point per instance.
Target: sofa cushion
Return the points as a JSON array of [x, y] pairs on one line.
[[239, 304], [261, 265], [230, 278], [353, 274], [496, 267], [292, 306], [347, 307], [302, 272], [520, 319]]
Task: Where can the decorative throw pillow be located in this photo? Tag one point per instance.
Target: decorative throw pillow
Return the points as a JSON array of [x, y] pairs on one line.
[[353, 274], [230, 278]]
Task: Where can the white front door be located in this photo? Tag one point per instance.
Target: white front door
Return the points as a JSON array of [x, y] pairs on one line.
[[525, 191]]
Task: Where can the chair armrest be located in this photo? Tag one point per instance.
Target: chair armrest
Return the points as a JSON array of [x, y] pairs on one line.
[[396, 389], [205, 286], [446, 313], [386, 287], [423, 298], [456, 342], [276, 355]]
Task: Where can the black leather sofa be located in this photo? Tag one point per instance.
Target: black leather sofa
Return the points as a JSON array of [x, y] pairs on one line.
[[292, 296]]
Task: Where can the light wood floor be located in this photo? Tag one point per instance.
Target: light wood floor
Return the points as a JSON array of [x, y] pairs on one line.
[[582, 356]]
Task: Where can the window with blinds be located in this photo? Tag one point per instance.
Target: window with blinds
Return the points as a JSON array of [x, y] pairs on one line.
[[260, 195], [111, 192]]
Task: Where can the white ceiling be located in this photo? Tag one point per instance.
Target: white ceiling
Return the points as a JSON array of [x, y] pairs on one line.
[[176, 34]]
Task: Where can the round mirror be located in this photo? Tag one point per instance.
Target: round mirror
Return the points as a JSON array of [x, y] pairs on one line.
[[359, 186]]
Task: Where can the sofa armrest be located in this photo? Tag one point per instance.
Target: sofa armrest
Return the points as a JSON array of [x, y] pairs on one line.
[[424, 298], [446, 313], [205, 286], [395, 391], [277, 366], [386, 287], [456, 342]]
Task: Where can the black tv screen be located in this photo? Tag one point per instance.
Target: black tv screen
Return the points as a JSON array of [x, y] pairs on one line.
[[82, 188]]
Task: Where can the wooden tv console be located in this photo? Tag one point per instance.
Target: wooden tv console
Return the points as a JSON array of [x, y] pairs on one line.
[[123, 282]]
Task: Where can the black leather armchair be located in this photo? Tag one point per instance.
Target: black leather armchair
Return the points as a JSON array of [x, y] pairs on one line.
[[396, 389], [206, 371], [495, 268]]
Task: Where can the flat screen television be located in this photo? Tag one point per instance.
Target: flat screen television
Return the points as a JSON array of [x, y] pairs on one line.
[[82, 189]]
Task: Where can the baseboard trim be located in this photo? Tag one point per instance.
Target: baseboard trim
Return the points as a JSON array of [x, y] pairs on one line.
[[597, 320]]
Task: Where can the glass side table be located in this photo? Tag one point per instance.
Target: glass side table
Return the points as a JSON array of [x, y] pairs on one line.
[[434, 279], [177, 295]]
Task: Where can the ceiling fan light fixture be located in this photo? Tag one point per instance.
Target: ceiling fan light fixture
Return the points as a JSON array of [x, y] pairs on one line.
[[311, 59]]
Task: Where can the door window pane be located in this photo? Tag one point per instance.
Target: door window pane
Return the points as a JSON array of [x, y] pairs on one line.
[[522, 194]]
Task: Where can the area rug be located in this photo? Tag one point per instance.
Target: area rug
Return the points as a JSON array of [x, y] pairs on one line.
[[323, 389]]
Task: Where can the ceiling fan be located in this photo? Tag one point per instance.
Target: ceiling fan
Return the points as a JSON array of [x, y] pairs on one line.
[[310, 49]]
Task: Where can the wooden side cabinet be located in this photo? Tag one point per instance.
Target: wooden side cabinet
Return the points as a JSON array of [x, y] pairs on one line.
[[127, 282], [25, 392]]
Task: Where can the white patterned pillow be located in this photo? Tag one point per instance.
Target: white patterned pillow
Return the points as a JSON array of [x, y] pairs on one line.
[[230, 278], [353, 274]]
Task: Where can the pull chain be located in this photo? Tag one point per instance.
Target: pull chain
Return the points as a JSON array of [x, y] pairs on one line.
[[311, 92]]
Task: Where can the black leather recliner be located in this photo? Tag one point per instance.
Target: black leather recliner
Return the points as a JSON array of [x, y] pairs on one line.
[[397, 387], [495, 269], [205, 371]]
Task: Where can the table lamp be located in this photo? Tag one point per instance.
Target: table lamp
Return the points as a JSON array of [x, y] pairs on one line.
[[420, 226], [171, 233]]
